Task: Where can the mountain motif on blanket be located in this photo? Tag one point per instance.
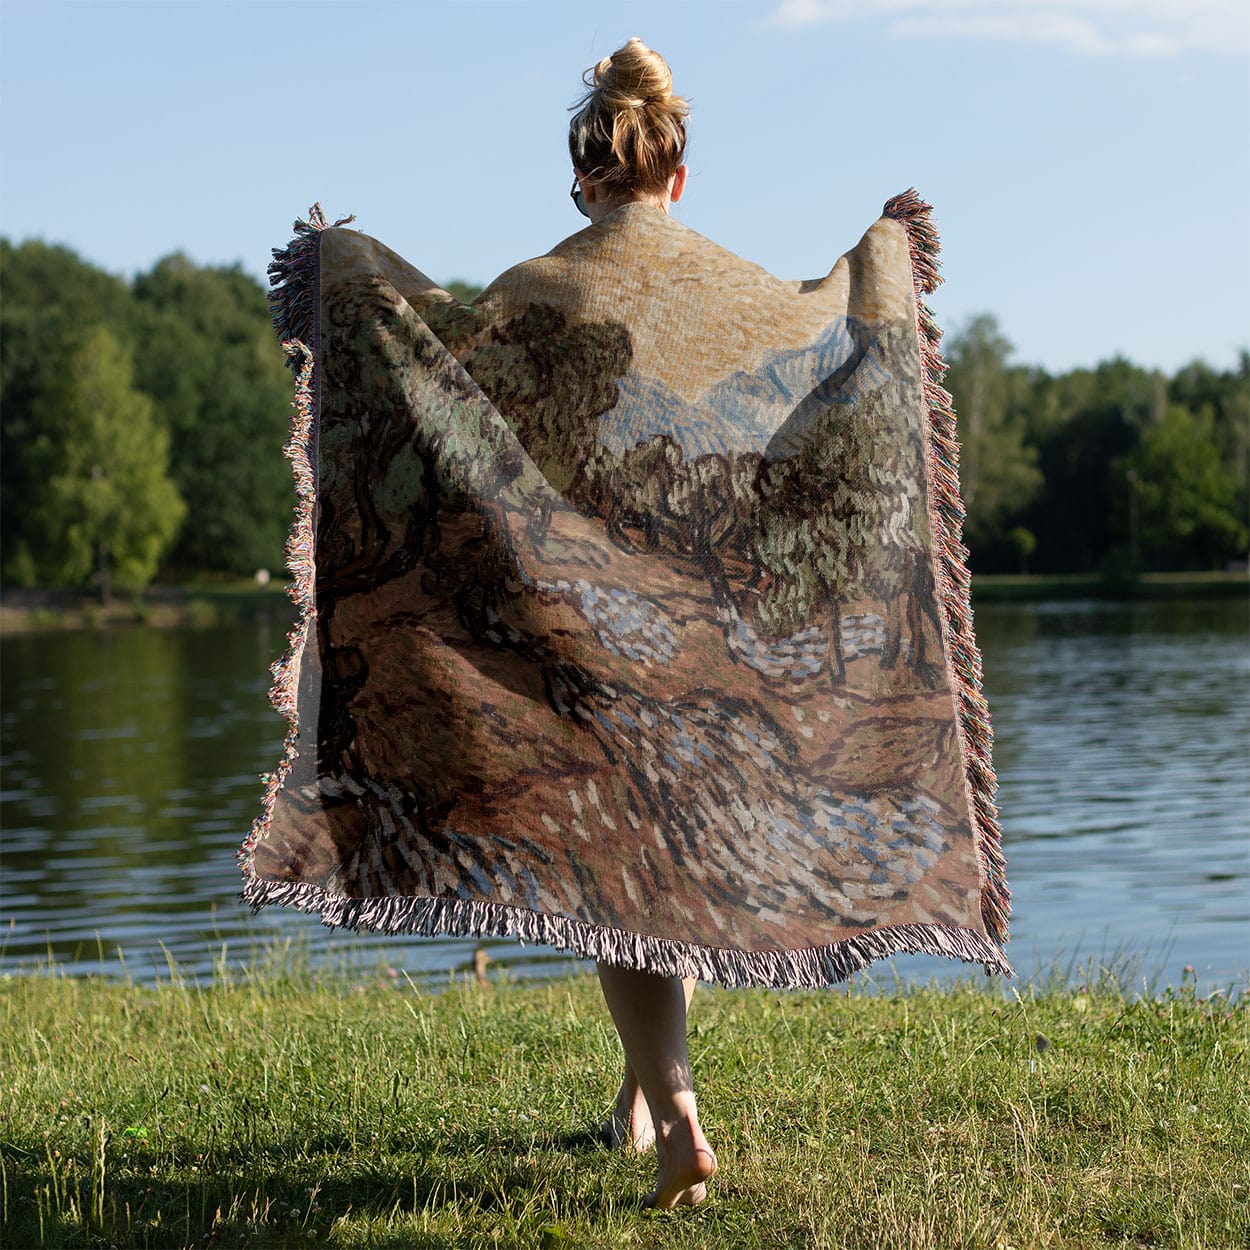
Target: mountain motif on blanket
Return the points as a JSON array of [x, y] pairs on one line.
[[608, 633]]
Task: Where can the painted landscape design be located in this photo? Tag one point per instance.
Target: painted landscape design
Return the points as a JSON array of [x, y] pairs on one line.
[[624, 626]]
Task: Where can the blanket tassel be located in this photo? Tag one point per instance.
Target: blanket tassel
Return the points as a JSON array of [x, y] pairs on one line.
[[954, 580]]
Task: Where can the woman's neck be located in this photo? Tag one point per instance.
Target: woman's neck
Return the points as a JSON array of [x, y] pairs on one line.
[[602, 207]]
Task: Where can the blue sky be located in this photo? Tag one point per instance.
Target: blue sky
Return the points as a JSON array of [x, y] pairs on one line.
[[1088, 160]]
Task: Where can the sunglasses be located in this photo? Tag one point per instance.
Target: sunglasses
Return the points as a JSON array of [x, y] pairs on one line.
[[576, 196]]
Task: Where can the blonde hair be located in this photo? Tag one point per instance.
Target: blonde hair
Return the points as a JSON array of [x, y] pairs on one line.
[[629, 132]]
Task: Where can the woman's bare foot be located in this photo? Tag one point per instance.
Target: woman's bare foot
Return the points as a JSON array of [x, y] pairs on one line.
[[686, 1165], [649, 1011], [629, 1126]]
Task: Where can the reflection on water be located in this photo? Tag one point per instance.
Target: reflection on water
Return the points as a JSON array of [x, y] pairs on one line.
[[131, 762], [1123, 739]]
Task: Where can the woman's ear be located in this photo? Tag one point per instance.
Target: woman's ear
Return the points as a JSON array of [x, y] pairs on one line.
[[678, 183], [589, 195]]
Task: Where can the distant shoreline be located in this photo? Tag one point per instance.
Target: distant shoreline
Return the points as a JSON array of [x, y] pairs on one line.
[[180, 605], [194, 604], [1003, 587]]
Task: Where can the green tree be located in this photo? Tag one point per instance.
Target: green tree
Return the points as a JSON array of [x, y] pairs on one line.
[[208, 357], [105, 505], [1024, 543], [51, 297], [1185, 495], [1085, 424], [465, 292], [1223, 398], [997, 466]]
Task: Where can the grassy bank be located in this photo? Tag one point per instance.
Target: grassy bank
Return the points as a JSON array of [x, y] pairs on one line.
[[186, 604], [1000, 587], [284, 1110], [216, 603]]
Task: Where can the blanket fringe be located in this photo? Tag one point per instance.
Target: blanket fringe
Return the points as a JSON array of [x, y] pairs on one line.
[[295, 292], [785, 969], [294, 303], [954, 580]]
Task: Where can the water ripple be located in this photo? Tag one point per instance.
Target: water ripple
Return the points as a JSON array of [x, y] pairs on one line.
[[131, 763]]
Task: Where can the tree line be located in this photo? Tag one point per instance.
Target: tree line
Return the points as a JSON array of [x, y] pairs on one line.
[[1113, 470], [142, 424]]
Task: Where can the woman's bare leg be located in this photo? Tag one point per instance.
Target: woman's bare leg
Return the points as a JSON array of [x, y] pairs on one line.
[[650, 1015], [629, 1125]]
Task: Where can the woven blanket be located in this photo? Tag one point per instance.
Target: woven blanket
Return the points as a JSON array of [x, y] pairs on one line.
[[634, 615]]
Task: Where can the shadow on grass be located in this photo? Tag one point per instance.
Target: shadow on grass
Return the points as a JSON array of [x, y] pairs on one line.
[[252, 1198]]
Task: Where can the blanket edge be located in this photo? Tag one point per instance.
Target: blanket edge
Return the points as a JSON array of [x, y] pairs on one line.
[[295, 305], [802, 968], [953, 575]]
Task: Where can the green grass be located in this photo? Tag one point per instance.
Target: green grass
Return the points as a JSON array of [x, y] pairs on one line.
[[1029, 587], [218, 601], [292, 1109], [194, 603]]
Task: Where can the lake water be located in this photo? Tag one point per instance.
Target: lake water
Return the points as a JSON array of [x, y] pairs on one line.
[[130, 775]]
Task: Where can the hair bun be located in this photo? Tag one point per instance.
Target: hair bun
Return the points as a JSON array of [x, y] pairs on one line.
[[633, 77], [629, 131]]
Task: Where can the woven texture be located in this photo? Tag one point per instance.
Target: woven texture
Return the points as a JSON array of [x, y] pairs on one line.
[[634, 617]]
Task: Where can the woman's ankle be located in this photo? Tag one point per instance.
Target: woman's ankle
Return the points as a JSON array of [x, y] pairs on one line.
[[678, 1112]]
